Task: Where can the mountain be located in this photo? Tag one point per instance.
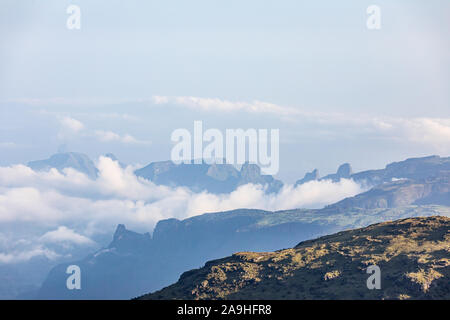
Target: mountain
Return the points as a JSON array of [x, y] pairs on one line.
[[214, 178], [114, 158], [412, 254], [413, 169], [60, 161], [134, 263], [434, 190], [309, 176], [344, 172]]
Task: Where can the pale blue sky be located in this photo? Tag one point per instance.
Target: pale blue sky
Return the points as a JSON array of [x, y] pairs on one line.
[[363, 96]]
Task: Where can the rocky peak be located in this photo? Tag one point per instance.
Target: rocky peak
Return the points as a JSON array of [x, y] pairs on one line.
[[125, 239], [309, 176], [344, 170]]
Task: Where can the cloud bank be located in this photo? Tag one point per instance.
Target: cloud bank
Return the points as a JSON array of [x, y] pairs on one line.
[[71, 208]]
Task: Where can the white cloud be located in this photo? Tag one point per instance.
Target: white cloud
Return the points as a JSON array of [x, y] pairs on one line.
[[433, 132], [215, 104], [70, 128], [314, 194], [109, 136], [72, 124], [118, 196], [64, 234], [21, 256], [430, 131]]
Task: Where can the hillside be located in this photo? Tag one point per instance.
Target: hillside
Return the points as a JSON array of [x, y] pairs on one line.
[[134, 264], [432, 190], [413, 255]]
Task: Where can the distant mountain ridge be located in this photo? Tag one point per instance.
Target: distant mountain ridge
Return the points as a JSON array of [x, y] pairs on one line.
[[412, 255], [431, 190], [134, 264], [413, 168], [225, 178], [214, 178], [61, 161]]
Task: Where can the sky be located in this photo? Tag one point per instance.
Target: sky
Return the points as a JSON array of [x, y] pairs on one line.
[[137, 70]]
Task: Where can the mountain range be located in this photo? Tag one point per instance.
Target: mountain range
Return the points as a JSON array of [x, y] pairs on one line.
[[134, 264], [413, 169], [214, 178], [225, 178]]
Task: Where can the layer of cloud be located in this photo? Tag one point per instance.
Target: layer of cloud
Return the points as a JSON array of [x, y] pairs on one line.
[[72, 124], [109, 136], [21, 256], [420, 131], [72, 128], [71, 208], [215, 104], [64, 234], [431, 131]]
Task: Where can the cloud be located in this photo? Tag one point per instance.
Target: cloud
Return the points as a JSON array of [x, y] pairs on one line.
[[72, 124], [118, 196], [215, 104], [64, 234], [418, 131], [65, 209], [314, 194], [71, 127], [427, 131], [109, 136], [421, 130], [21, 256]]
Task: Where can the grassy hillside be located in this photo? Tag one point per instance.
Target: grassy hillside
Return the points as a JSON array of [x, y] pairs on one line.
[[413, 255]]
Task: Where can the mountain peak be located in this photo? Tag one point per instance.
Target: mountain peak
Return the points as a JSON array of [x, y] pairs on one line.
[[125, 239], [344, 170], [60, 161], [120, 231], [309, 176]]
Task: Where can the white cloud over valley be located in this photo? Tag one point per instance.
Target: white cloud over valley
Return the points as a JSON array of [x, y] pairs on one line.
[[69, 207]]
